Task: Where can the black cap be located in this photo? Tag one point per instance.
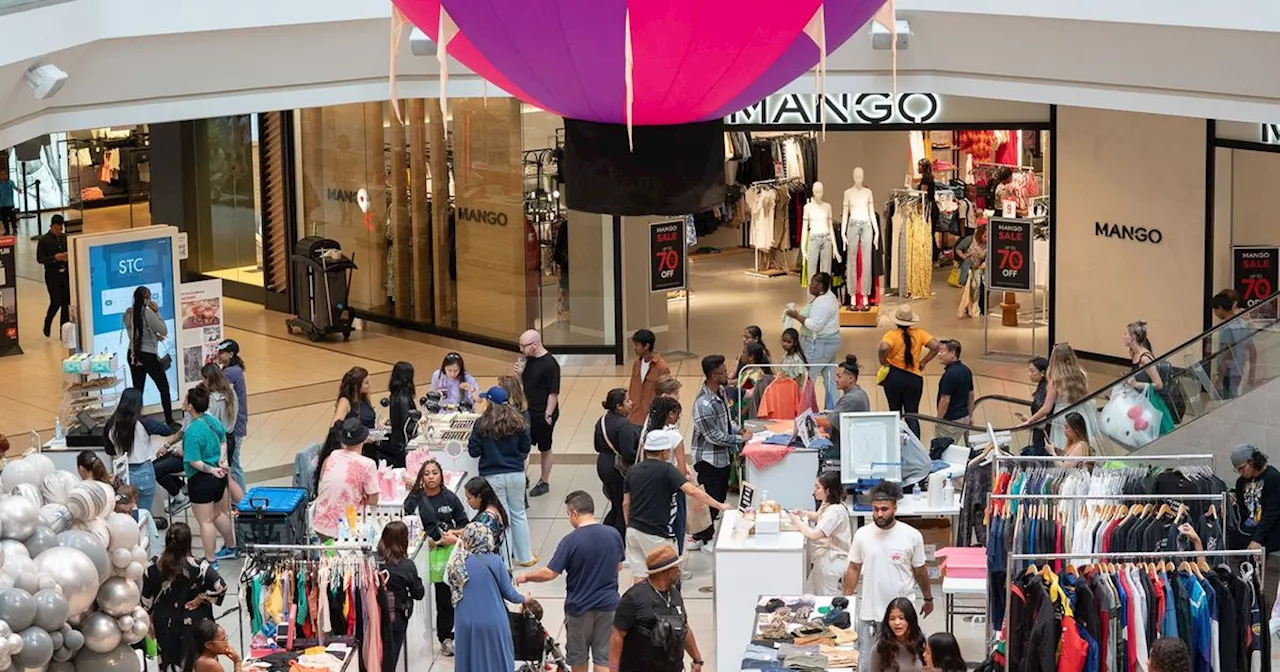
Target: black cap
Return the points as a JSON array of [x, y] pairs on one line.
[[229, 345], [353, 432]]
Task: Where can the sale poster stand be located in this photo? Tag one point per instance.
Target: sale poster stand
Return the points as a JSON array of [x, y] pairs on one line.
[[200, 319], [669, 264], [1255, 274], [1011, 267]]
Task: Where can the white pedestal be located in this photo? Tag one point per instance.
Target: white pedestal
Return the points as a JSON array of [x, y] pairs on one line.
[[771, 565], [789, 482]]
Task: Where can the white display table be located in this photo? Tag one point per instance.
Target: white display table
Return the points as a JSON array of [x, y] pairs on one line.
[[789, 482], [911, 507], [768, 565]]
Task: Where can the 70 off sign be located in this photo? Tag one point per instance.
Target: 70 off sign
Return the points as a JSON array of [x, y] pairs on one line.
[[1010, 261]]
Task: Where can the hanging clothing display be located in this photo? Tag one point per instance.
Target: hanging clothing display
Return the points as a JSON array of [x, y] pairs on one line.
[[1105, 617], [915, 242]]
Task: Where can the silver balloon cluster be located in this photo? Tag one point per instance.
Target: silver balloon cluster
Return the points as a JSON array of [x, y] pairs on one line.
[[70, 573]]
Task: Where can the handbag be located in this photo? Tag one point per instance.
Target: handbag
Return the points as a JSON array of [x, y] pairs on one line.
[[953, 278], [882, 374], [619, 462], [166, 360]]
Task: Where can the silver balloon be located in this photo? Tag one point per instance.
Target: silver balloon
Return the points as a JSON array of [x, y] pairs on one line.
[[125, 623], [55, 516], [57, 640], [75, 573], [43, 464], [13, 548], [37, 648], [92, 547], [52, 610], [6, 662], [20, 515], [41, 540], [73, 640], [30, 493], [17, 608], [47, 583], [100, 632], [6, 582], [5, 630], [118, 596], [17, 472], [62, 657], [120, 659]]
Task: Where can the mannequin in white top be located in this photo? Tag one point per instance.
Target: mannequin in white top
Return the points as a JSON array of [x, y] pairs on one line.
[[862, 236], [819, 242]]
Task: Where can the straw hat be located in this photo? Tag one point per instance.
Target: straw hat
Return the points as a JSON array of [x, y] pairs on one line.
[[905, 317]]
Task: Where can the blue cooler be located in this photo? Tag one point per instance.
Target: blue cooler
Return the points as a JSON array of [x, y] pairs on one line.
[[272, 516]]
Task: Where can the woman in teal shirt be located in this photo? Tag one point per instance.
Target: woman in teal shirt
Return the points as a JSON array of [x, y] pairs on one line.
[[206, 469]]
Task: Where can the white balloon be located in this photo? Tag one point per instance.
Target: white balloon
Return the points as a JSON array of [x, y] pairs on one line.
[[141, 629], [6, 662], [134, 571], [47, 582], [124, 532], [107, 503], [56, 486], [17, 472], [15, 643], [30, 493], [6, 581], [5, 630], [4, 646], [125, 623], [42, 463], [13, 548], [19, 514], [121, 558], [139, 555]]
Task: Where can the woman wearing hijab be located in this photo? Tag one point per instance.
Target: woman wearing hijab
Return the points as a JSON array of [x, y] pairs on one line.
[[478, 583]]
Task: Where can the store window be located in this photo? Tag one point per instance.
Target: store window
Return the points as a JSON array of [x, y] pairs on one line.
[[108, 179], [227, 237], [483, 250], [1247, 243]]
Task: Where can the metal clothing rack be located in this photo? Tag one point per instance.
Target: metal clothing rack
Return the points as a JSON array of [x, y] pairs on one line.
[[999, 457], [1259, 567], [774, 265], [1005, 165]]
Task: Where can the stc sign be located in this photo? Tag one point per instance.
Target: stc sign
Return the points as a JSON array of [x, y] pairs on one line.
[[840, 108]]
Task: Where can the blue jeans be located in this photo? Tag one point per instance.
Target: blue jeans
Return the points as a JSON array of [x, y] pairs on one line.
[[234, 444], [823, 350], [510, 489], [143, 477]]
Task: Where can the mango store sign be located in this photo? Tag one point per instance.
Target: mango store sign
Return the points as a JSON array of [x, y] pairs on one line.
[[1271, 134], [840, 108]]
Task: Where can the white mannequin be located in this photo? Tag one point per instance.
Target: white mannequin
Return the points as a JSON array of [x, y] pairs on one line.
[[818, 243], [861, 233]]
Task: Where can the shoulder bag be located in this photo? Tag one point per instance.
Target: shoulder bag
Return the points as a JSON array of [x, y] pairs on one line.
[[619, 462]]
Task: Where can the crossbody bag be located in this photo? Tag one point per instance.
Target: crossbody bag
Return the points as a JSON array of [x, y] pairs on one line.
[[619, 462]]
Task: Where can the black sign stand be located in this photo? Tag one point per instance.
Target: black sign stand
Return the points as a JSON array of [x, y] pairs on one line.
[[669, 270], [1010, 268]]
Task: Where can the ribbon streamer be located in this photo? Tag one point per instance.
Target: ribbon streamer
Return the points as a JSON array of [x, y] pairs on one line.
[[448, 30], [887, 16], [631, 93], [816, 29], [398, 25]]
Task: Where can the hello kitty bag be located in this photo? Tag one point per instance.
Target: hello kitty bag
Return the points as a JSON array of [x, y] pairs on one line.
[[1130, 418]]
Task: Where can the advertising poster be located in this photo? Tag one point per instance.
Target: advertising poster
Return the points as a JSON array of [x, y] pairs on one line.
[[200, 315], [667, 258], [1009, 255], [8, 298], [1255, 272], [116, 272]]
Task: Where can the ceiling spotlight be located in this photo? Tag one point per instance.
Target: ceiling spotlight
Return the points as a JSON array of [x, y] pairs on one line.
[[45, 80], [420, 44]]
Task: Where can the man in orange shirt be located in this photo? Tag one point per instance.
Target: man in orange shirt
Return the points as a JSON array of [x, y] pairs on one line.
[[645, 372]]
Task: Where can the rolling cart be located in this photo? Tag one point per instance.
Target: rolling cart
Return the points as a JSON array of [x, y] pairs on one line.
[[322, 281]]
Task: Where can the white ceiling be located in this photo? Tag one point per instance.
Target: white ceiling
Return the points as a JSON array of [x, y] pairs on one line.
[[183, 73]]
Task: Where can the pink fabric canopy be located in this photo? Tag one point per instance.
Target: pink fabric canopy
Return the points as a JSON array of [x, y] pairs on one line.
[[691, 60]]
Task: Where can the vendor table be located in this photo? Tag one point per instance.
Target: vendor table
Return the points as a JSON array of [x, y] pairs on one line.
[[769, 564], [963, 588], [819, 604]]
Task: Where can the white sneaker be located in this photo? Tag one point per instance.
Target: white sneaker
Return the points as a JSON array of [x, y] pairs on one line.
[[709, 547], [693, 546]]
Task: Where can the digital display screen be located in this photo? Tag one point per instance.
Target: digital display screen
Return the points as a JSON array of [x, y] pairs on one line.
[[116, 270]]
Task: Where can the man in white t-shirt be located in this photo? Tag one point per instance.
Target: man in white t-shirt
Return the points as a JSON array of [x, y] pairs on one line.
[[891, 554]]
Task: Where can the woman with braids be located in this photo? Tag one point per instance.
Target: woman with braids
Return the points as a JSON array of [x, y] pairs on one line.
[[665, 414], [178, 591], [902, 352]]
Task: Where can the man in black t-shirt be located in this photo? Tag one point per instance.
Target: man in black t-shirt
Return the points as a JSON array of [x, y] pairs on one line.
[[651, 630], [540, 373], [955, 391], [649, 498]]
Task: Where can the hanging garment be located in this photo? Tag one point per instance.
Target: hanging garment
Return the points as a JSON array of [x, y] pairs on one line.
[[918, 255], [781, 400]]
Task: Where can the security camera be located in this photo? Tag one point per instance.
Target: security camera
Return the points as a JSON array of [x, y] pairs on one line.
[[420, 44], [46, 80], [883, 40]]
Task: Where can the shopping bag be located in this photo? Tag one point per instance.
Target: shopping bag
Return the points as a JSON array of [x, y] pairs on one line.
[[697, 515], [953, 278], [1130, 418], [439, 557]]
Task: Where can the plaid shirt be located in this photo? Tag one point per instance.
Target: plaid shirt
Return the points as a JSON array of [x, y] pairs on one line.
[[714, 434]]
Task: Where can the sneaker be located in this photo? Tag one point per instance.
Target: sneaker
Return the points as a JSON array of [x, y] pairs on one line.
[[531, 563], [695, 545], [177, 503], [709, 547], [540, 489], [214, 565], [446, 648], [225, 553]]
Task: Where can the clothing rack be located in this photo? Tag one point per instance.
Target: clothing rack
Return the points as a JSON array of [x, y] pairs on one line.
[[1259, 566], [1004, 165], [774, 266], [999, 457]]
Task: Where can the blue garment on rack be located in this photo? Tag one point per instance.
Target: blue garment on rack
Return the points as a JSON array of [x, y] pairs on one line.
[[1169, 619], [1201, 627]]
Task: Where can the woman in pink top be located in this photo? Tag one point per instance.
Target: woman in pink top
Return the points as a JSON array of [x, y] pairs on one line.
[[344, 477]]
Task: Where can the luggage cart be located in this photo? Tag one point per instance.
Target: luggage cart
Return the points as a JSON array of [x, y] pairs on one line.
[[322, 281]]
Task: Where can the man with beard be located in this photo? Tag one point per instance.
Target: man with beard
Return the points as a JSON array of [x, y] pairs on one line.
[[892, 555]]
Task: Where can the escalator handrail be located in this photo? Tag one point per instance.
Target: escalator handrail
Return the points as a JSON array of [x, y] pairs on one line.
[[1107, 389]]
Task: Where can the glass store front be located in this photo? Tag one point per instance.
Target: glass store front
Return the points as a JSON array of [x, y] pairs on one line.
[[454, 220]]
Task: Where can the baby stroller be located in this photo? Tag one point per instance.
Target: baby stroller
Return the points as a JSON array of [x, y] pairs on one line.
[[536, 650]]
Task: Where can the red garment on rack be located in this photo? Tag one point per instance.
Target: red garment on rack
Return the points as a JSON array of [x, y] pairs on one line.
[[1074, 649], [781, 400]]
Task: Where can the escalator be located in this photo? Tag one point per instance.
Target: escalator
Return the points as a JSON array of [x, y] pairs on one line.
[[1223, 387]]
